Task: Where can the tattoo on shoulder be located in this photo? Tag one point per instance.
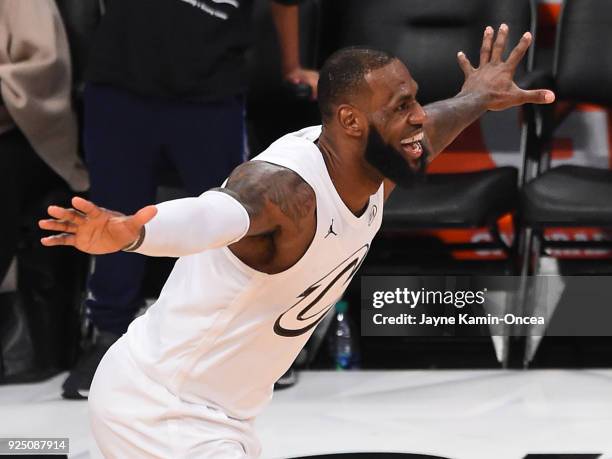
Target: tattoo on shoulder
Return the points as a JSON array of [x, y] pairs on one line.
[[259, 184]]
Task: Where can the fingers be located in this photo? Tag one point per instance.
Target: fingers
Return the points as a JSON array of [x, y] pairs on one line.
[[69, 215], [311, 78], [464, 63], [315, 91], [519, 50], [68, 221], [500, 43], [59, 239], [538, 96], [492, 51], [58, 225], [487, 43], [87, 207]]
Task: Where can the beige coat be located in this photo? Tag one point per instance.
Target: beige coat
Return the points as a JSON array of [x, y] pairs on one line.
[[35, 85]]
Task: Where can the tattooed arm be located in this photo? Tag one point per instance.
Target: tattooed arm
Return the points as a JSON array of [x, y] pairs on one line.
[[274, 197], [282, 210]]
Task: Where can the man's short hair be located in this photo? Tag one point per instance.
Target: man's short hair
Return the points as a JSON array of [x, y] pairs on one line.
[[343, 75]]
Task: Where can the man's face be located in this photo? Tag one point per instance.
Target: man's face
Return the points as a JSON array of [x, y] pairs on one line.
[[395, 137]]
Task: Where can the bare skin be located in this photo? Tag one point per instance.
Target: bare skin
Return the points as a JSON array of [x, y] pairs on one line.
[[281, 206]]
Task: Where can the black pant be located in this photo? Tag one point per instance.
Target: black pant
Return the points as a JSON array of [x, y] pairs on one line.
[[39, 327], [24, 180]]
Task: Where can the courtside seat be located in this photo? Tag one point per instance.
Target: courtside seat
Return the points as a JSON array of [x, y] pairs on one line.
[[462, 200], [569, 195], [424, 34]]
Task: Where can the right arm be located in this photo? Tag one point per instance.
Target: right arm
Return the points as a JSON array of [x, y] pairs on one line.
[[259, 199]]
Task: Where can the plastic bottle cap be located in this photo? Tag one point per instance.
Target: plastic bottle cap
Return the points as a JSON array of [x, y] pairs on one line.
[[342, 306]]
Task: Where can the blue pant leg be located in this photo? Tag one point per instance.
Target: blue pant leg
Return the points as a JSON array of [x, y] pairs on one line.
[[121, 150], [206, 141]]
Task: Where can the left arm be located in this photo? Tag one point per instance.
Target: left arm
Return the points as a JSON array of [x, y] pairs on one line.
[[286, 21]]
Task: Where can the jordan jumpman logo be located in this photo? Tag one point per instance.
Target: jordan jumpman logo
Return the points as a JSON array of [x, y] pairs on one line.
[[331, 230]]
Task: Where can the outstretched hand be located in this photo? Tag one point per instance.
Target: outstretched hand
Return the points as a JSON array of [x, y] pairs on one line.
[[92, 229], [494, 78]]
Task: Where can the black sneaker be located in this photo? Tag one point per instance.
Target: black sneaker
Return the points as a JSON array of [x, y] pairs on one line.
[[76, 386], [287, 380]]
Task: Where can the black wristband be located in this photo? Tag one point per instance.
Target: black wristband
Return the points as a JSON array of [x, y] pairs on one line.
[[137, 243]]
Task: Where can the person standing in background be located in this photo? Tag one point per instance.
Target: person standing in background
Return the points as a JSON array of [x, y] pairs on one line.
[[38, 127], [165, 80]]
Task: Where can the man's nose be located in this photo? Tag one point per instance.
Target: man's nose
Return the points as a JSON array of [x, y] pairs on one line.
[[418, 115]]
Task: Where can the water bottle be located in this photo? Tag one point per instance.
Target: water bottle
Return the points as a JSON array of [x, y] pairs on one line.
[[344, 350]]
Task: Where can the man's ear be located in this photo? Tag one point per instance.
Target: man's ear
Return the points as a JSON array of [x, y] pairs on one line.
[[351, 120]]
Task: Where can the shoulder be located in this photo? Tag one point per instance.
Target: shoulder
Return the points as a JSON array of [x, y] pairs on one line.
[[272, 194]]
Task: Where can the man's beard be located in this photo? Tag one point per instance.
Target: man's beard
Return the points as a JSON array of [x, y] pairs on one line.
[[390, 163]]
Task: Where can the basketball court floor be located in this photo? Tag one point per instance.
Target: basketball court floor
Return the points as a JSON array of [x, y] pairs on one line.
[[475, 414]]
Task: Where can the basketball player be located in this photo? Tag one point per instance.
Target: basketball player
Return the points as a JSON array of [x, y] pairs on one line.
[[259, 267]]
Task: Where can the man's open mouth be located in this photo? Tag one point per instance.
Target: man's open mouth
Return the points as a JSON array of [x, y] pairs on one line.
[[412, 146]]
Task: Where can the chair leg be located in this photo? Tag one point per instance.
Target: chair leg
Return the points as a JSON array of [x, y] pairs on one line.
[[506, 338], [517, 301], [525, 268], [2, 370], [508, 249], [524, 249], [531, 342]]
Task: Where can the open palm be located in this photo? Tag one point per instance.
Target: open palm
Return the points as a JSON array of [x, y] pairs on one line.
[[494, 77], [93, 229]]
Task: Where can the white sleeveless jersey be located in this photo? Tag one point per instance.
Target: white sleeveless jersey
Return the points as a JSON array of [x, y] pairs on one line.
[[222, 333]]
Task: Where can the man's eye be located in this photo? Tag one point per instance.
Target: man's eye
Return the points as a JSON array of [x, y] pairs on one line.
[[403, 106]]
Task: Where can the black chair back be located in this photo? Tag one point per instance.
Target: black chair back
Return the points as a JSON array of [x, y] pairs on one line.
[[425, 34], [583, 64]]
